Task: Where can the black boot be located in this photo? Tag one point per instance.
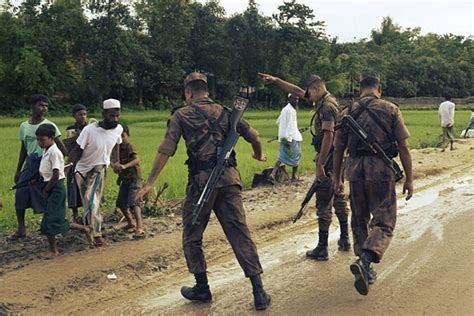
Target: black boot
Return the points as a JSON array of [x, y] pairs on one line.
[[261, 299], [321, 251], [199, 292], [372, 275], [343, 242], [361, 271]]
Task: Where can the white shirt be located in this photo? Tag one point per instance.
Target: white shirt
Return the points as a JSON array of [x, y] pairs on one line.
[[288, 124], [97, 145], [446, 113], [52, 159]]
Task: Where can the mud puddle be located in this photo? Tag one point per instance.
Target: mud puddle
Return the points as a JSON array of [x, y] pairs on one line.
[[428, 211]]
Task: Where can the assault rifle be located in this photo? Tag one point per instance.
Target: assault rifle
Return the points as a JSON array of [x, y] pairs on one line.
[[34, 178], [372, 144], [240, 105], [302, 130], [315, 186]]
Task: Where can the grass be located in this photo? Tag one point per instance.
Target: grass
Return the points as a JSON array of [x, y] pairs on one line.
[[148, 128]]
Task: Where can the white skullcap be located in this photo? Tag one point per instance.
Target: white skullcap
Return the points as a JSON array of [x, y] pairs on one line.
[[111, 104]]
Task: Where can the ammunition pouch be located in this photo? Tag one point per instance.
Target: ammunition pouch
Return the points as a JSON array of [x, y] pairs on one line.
[[196, 165], [356, 150]]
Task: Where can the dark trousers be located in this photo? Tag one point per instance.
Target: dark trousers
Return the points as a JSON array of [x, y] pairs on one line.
[[227, 205], [374, 214]]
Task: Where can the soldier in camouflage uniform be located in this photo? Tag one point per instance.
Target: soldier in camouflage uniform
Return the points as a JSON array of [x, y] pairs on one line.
[[324, 121], [204, 125], [372, 183]]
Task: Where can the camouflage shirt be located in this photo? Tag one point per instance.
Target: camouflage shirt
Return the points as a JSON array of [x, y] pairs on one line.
[[193, 126], [372, 168], [327, 110]]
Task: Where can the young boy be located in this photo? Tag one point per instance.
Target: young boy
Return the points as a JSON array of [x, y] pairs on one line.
[[51, 169], [79, 112], [129, 180], [30, 153]]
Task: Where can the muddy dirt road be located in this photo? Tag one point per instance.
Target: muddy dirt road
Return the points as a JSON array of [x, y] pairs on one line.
[[428, 268]]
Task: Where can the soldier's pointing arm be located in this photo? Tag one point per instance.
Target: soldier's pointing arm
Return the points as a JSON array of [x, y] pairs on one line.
[[283, 85]]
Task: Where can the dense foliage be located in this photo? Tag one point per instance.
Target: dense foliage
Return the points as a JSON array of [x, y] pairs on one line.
[[139, 51]]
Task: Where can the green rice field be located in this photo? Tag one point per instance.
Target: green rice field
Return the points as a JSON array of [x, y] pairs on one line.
[[147, 130]]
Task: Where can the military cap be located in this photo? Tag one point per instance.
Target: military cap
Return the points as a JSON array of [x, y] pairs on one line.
[[193, 77]]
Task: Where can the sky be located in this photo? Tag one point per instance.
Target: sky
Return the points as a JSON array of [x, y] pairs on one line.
[[351, 20]]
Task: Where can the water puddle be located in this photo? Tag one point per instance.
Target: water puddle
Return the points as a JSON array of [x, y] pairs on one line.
[[427, 211]]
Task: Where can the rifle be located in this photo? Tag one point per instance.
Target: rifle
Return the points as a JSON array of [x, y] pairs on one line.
[[302, 130], [34, 178], [240, 105], [315, 186], [372, 144]]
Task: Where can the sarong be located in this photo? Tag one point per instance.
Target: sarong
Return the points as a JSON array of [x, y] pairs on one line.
[[91, 188], [54, 220], [30, 196], [290, 153]]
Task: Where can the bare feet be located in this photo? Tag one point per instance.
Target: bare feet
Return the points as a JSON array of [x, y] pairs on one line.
[[100, 242], [16, 236], [49, 254], [139, 234], [88, 231], [129, 227]]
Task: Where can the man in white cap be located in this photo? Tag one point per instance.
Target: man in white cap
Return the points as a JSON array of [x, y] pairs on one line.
[[92, 156], [289, 138]]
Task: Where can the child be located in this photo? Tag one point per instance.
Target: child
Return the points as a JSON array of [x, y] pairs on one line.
[[29, 196], [129, 181], [51, 169], [79, 112]]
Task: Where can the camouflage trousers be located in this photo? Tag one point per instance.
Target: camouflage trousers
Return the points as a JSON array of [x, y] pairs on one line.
[[374, 214], [325, 201], [227, 205]]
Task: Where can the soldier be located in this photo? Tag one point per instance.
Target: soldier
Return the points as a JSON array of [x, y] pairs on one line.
[[372, 183], [324, 120], [204, 125]]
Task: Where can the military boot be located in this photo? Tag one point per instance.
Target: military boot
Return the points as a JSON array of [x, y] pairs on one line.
[[199, 292], [261, 299], [361, 271], [372, 275], [343, 242], [321, 251]]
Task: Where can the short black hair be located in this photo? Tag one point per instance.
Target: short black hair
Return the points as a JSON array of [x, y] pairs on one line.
[[46, 130], [370, 81], [447, 96], [126, 130], [78, 107], [197, 86], [36, 98]]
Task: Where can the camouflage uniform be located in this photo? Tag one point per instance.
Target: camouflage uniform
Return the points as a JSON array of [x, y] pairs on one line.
[[327, 110], [226, 200], [372, 183]]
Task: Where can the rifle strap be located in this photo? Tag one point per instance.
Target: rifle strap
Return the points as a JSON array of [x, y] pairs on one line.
[[215, 125], [376, 119]]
